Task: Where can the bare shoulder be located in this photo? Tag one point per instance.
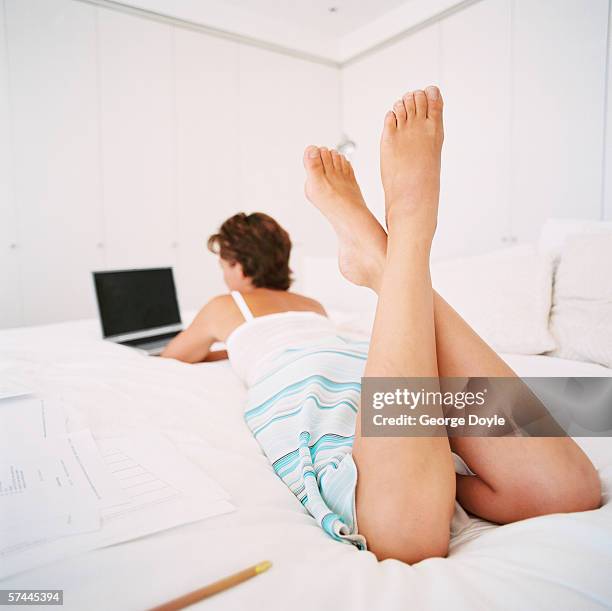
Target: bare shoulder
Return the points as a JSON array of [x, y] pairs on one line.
[[310, 304], [218, 318], [214, 310], [219, 303]]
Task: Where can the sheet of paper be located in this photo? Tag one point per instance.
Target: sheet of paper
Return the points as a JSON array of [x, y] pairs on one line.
[[32, 532], [161, 489], [164, 488], [9, 388], [30, 421], [55, 489]]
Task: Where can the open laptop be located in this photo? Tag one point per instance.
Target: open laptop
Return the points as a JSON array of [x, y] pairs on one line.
[[138, 307]]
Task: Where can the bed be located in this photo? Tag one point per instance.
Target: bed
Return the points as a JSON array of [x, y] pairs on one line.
[[554, 562]]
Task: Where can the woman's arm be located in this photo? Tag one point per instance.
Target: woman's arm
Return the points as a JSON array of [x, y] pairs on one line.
[[216, 355], [193, 344]]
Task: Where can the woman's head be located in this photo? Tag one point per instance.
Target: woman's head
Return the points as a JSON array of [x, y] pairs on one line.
[[254, 252]]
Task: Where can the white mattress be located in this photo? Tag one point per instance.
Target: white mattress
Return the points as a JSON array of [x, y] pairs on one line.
[[554, 562]]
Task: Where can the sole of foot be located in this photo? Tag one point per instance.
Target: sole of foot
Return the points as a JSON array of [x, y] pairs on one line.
[[331, 186]]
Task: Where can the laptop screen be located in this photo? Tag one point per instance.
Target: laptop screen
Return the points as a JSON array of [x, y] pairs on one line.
[[136, 300]]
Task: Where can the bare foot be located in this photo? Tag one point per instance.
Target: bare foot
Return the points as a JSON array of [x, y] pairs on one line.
[[332, 188], [410, 150]]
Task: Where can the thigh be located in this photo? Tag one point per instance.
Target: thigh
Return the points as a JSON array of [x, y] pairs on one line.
[[522, 477], [517, 477], [405, 496]]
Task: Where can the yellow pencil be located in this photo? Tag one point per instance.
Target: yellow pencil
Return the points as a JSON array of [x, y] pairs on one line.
[[214, 588]]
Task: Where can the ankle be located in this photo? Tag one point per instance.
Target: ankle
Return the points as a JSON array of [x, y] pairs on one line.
[[376, 273], [407, 226]]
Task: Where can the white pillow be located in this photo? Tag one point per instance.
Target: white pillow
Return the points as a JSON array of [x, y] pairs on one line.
[[557, 231], [505, 295], [581, 318]]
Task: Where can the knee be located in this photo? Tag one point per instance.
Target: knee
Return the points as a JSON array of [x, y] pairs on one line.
[[584, 488], [575, 488], [410, 547], [409, 539]]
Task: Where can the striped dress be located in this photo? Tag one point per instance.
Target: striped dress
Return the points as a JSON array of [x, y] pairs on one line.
[[304, 385]]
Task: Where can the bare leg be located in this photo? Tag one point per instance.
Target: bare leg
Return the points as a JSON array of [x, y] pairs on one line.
[[517, 478], [406, 486], [332, 188]]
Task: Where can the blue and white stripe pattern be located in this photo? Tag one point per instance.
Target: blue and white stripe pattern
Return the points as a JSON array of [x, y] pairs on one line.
[[302, 411]]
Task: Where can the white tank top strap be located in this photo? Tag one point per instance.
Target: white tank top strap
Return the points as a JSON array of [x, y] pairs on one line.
[[242, 305]]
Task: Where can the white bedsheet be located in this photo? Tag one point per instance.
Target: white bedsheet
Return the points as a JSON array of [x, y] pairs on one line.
[[554, 562]]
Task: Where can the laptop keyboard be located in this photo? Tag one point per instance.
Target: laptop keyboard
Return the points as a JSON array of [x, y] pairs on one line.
[[151, 342]]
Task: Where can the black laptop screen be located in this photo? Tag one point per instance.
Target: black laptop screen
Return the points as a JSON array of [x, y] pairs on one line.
[[136, 300]]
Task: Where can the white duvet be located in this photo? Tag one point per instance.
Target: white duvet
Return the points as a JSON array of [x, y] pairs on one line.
[[554, 562]]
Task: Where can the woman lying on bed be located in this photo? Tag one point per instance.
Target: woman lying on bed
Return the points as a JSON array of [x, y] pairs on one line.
[[304, 380]]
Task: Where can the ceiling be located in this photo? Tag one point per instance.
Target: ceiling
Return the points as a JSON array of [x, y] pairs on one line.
[[316, 14], [305, 27]]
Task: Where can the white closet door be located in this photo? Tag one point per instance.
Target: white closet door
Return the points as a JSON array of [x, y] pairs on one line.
[[607, 194], [10, 295], [476, 159], [558, 96], [53, 99], [208, 169], [371, 86], [285, 104], [137, 118]]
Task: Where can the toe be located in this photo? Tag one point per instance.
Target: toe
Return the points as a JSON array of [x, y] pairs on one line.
[[420, 103], [390, 124], [312, 159], [434, 102], [336, 161], [400, 112], [326, 156], [408, 100], [346, 166]]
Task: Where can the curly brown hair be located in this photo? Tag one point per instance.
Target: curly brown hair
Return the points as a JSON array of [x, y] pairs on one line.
[[259, 244]]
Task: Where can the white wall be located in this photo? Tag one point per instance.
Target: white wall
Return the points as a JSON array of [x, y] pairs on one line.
[[53, 102], [128, 141], [475, 68], [125, 142], [607, 186], [524, 86], [207, 188], [10, 294], [559, 104]]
